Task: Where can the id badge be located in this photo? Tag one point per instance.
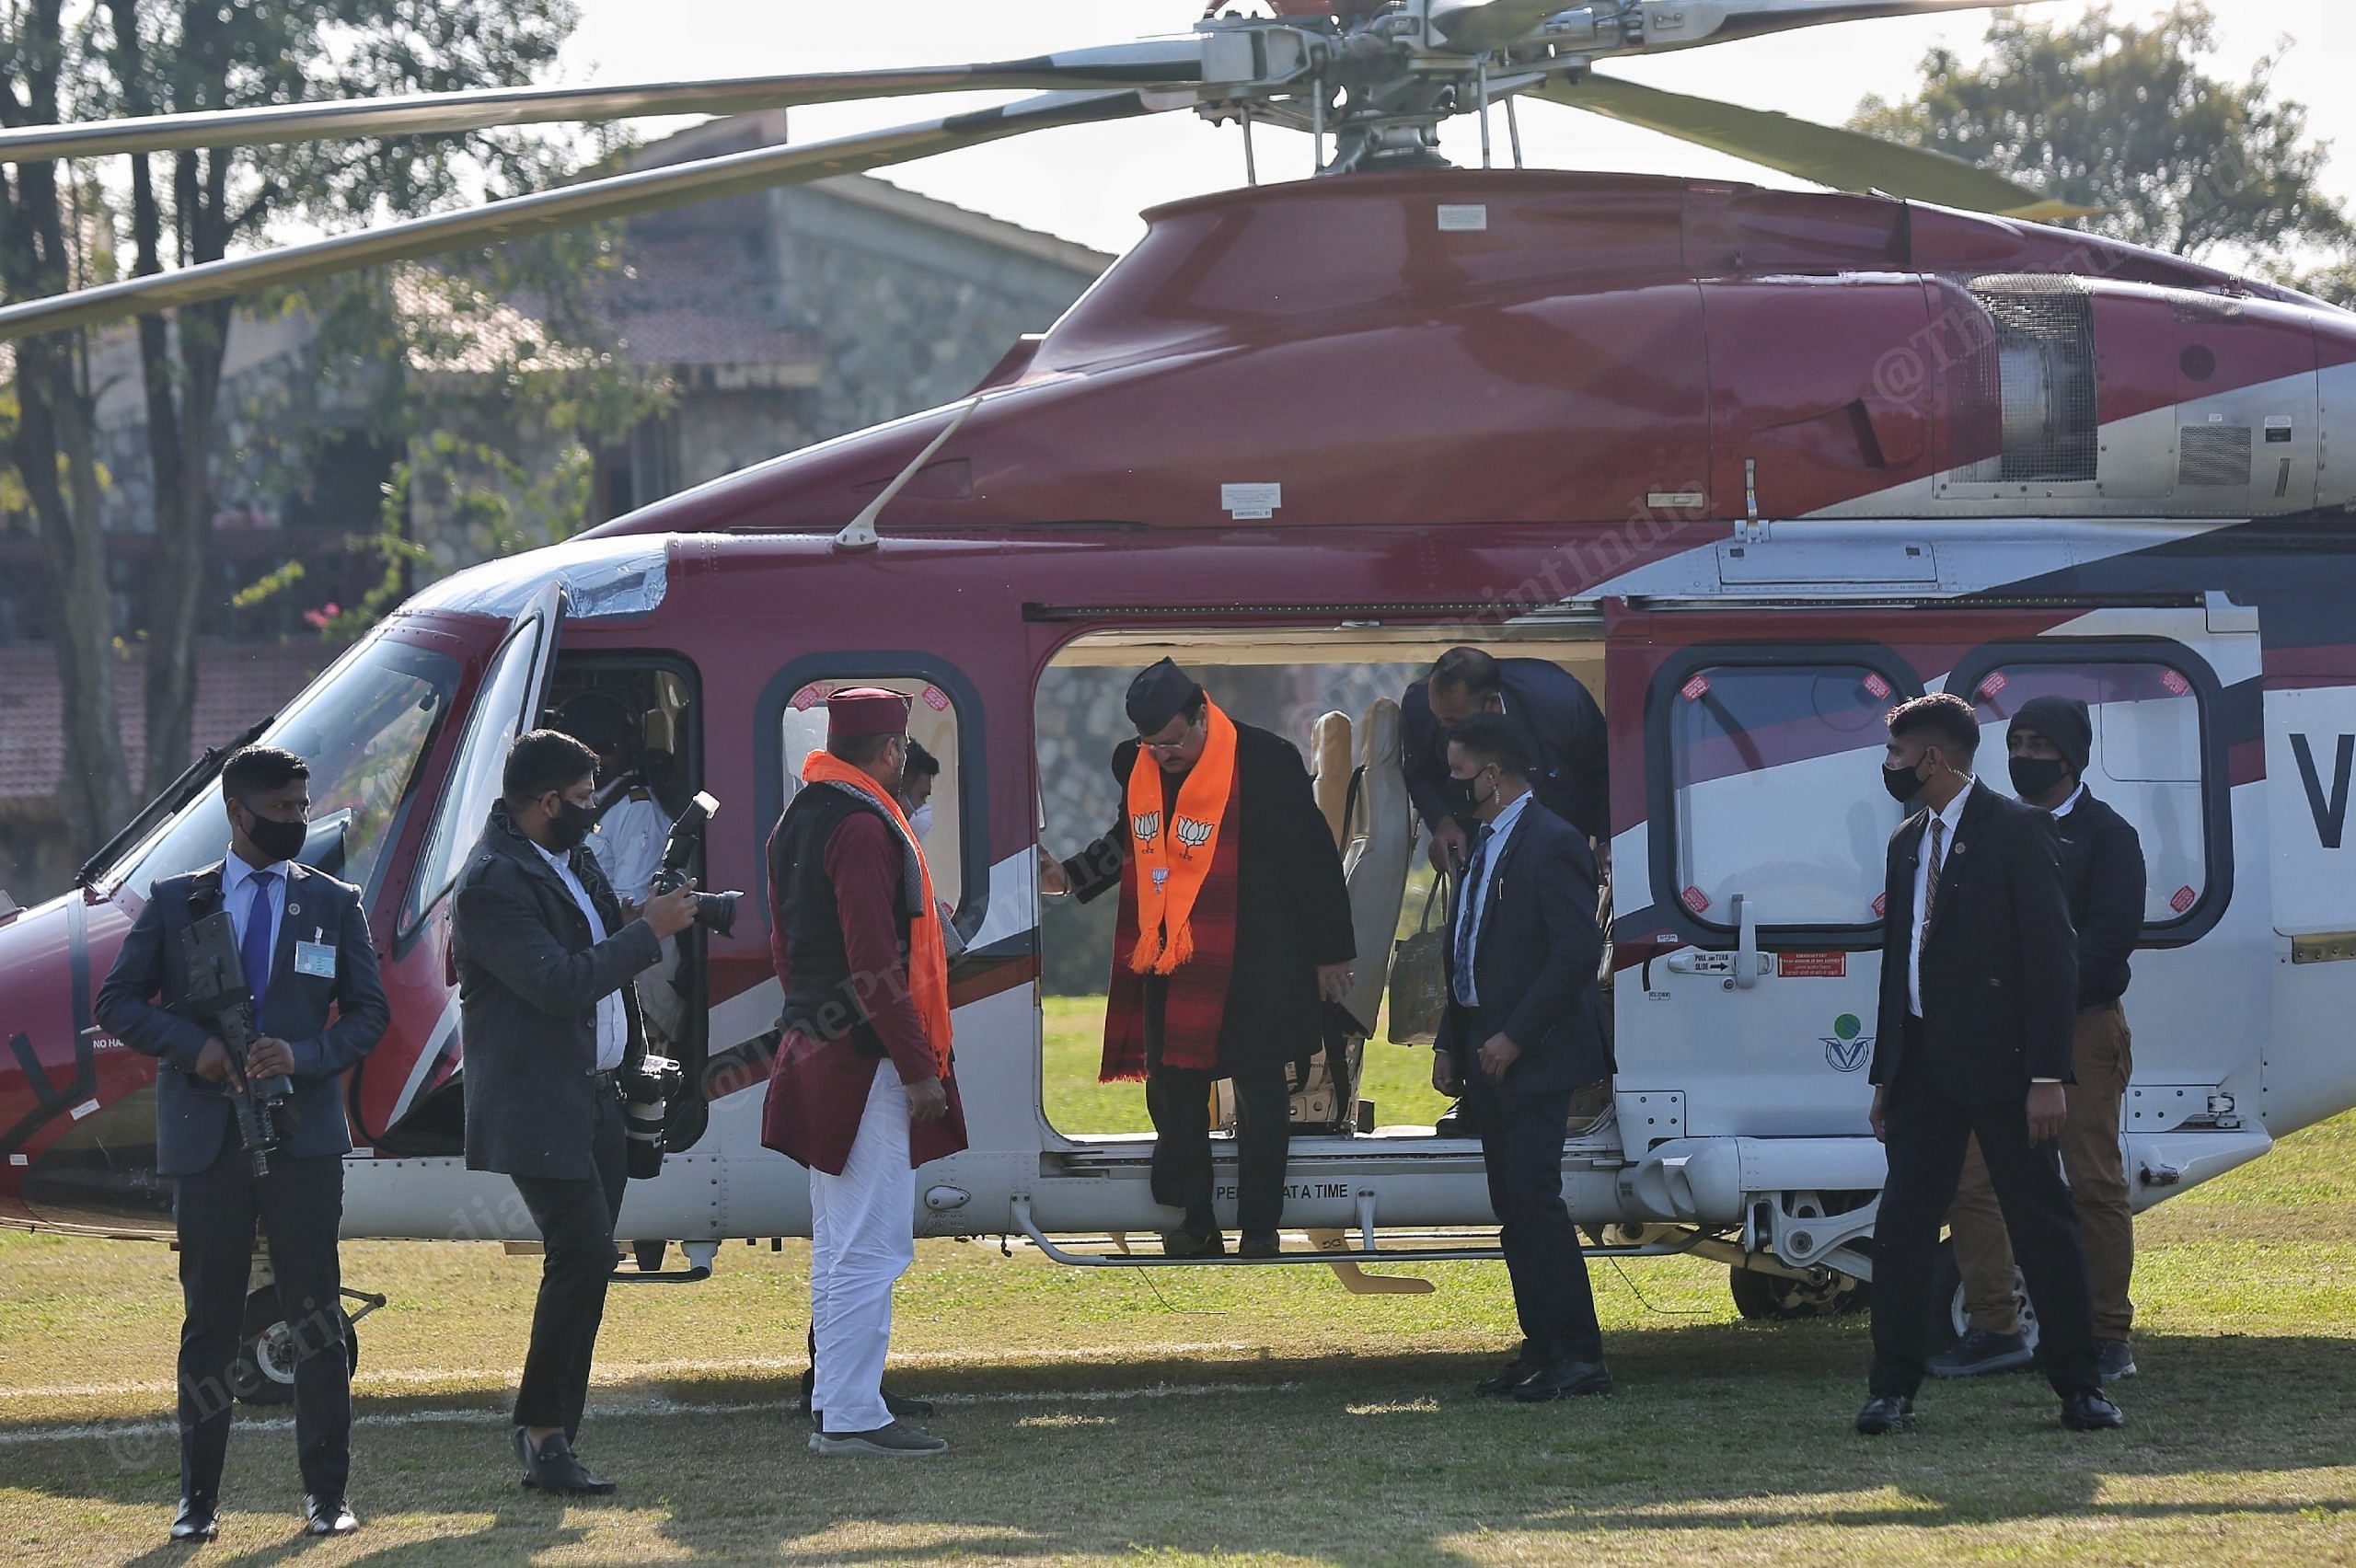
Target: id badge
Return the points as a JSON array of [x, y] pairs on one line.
[[314, 959]]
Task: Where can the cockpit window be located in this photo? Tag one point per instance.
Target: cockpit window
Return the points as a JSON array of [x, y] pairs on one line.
[[364, 727]]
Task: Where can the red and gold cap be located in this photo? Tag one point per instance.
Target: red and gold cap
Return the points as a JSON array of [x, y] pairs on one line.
[[866, 710]]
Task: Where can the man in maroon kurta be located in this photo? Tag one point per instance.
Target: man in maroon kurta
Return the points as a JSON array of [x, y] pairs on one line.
[[861, 1090]]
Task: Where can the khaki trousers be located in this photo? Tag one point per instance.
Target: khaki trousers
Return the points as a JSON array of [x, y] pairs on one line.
[[2103, 1057]]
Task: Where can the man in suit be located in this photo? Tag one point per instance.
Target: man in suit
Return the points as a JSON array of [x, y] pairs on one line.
[[1521, 1031], [1978, 988], [303, 941], [546, 953], [2050, 741], [1569, 769], [1234, 931]]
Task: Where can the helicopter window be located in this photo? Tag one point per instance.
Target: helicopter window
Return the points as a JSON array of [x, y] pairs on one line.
[[364, 727], [932, 724], [2147, 760], [474, 778], [1795, 744]]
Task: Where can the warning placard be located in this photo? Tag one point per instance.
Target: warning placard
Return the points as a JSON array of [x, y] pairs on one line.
[[1812, 965]]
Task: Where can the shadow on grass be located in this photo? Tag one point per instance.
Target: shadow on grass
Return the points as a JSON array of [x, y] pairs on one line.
[[1718, 1429]]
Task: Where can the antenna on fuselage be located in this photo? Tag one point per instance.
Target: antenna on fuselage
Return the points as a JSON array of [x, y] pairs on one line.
[[860, 532]]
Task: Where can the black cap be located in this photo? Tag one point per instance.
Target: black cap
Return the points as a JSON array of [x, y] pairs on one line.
[[1160, 694], [2064, 721]]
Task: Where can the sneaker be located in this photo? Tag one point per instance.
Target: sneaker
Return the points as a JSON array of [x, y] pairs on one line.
[[899, 1440], [1979, 1353], [2114, 1360]]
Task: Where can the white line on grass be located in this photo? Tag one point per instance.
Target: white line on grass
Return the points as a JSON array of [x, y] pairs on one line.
[[630, 1371], [489, 1414]]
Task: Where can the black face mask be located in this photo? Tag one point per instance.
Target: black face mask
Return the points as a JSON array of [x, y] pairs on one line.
[[1901, 783], [570, 825], [1463, 804], [277, 840], [2037, 775]]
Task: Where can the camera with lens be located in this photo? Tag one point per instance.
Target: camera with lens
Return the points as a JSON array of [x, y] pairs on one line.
[[648, 1086], [716, 912]]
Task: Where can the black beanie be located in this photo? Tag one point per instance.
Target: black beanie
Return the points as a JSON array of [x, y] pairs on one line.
[[2064, 721]]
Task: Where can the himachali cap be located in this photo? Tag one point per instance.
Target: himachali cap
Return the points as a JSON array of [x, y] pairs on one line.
[[1159, 694], [865, 710]]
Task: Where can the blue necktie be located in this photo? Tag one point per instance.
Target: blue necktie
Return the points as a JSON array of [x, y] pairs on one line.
[[253, 953], [1466, 917]]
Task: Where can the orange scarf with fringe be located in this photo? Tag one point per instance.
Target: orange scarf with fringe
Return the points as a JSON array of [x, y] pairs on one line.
[[1172, 861], [927, 952]]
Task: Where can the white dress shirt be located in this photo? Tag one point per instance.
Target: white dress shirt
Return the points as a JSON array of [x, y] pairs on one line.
[[629, 844], [238, 898], [613, 1022], [1951, 817], [1474, 899], [2066, 807]]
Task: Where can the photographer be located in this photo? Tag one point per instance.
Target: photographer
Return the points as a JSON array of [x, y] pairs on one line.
[[303, 945], [545, 958]]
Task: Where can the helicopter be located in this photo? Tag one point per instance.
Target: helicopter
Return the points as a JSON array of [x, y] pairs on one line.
[[1754, 466]]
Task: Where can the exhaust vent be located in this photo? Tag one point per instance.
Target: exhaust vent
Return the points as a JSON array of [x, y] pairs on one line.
[[2024, 399]]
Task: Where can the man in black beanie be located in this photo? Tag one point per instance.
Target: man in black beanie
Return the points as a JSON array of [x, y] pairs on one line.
[[2102, 870]]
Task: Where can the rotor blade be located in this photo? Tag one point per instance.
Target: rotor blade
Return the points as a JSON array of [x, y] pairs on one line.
[[1846, 160], [1477, 26], [1152, 62], [618, 196], [1690, 22]]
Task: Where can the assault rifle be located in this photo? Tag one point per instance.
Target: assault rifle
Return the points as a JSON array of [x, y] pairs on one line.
[[217, 994]]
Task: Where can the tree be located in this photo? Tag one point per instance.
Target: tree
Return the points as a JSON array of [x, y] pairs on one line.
[[2126, 117], [69, 59], [182, 56], [52, 439]]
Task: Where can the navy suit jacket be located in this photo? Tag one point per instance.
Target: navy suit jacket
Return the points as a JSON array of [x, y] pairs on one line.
[[142, 1003], [1535, 962], [1571, 772]]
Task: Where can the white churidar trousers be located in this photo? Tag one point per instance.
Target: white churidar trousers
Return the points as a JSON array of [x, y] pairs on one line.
[[862, 1239]]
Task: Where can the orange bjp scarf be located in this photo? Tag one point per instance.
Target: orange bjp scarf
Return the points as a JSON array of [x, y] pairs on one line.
[[1173, 864], [927, 953]]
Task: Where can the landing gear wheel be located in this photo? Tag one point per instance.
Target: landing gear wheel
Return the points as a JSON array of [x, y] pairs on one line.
[[1774, 1299], [263, 1373], [1949, 1322]]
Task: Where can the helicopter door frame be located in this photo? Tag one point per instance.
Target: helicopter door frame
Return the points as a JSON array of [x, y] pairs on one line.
[[417, 914]]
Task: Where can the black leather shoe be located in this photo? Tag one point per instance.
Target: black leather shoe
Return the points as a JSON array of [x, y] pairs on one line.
[[2088, 1412], [1259, 1244], [553, 1467], [1516, 1373], [326, 1514], [1186, 1244], [1562, 1379], [1885, 1414], [199, 1519]]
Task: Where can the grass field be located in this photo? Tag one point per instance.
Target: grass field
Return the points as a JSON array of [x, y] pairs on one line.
[[1243, 1416]]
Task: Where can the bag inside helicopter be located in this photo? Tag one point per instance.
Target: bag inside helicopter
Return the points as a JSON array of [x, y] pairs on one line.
[[1337, 697]]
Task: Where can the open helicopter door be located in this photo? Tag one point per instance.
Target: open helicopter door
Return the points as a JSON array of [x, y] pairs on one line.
[[398, 1096]]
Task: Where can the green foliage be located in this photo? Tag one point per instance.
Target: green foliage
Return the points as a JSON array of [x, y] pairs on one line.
[[2127, 116]]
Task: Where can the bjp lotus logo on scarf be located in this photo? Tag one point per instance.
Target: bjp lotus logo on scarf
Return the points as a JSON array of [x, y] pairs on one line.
[[1146, 826], [1192, 834]]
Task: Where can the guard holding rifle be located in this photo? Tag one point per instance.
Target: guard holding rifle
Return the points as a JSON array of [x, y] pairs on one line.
[[248, 957]]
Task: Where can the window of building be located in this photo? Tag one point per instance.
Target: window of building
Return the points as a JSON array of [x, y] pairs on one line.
[[2147, 760], [1776, 794]]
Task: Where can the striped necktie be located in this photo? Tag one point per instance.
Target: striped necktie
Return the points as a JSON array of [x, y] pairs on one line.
[[1938, 863]]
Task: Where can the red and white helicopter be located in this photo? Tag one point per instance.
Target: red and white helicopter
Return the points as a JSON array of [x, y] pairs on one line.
[[1754, 466]]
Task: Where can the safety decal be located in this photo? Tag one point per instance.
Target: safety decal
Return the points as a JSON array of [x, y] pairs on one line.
[[1695, 899], [2185, 899], [1691, 691], [1875, 684]]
